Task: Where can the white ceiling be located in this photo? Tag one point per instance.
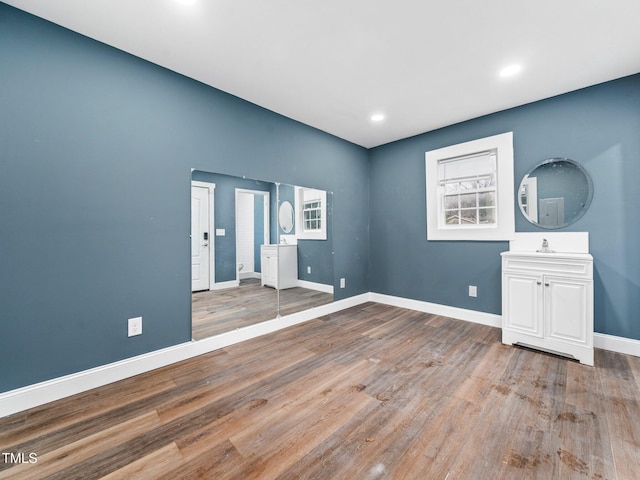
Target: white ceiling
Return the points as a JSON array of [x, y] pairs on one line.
[[333, 63]]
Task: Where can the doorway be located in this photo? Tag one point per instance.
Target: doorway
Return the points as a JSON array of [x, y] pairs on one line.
[[252, 231], [202, 245]]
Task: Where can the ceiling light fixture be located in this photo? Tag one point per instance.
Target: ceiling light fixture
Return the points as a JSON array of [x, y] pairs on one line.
[[510, 70], [186, 2], [378, 117]]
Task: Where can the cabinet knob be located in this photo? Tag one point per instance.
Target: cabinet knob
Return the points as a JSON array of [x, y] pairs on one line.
[[546, 284], [539, 282]]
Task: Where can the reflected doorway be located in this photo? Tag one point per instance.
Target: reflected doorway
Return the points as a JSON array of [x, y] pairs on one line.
[[252, 231], [202, 220]]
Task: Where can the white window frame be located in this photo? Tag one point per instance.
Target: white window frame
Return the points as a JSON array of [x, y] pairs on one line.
[[504, 228], [301, 232]]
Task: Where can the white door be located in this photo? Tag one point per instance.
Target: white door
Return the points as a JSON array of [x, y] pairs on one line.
[[551, 212], [200, 239], [523, 306], [247, 221], [567, 305], [245, 240], [269, 261]]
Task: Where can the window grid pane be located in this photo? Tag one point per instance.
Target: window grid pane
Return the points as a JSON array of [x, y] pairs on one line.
[[312, 215], [469, 190]]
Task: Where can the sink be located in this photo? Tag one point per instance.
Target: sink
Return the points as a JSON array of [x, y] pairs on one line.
[[560, 244]]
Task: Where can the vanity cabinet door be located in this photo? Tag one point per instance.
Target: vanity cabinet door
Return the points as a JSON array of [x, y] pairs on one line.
[[523, 303], [567, 309], [288, 266], [269, 264]]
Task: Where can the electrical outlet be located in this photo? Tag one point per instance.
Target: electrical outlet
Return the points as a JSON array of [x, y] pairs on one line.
[[342, 283], [473, 291], [135, 326], [308, 269]]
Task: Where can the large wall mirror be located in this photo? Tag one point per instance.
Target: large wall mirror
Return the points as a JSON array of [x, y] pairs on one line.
[[250, 261], [555, 193]]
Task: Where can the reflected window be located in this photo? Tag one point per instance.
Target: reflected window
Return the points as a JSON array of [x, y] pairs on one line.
[[311, 208], [312, 215]]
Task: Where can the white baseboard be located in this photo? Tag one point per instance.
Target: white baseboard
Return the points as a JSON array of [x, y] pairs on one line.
[[224, 285], [628, 346], [454, 312], [61, 387], [612, 343], [320, 287], [244, 275], [44, 392]]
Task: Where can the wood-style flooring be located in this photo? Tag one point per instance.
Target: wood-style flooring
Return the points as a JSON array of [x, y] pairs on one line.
[[220, 311], [373, 392]]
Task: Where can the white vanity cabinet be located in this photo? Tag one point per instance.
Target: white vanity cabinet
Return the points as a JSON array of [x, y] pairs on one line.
[[547, 302], [279, 264]]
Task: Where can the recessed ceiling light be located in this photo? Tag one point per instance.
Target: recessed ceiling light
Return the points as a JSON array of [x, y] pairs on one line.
[[510, 70], [377, 117], [186, 2]]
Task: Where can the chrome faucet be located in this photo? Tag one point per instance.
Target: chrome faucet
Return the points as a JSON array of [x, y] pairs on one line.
[[545, 247]]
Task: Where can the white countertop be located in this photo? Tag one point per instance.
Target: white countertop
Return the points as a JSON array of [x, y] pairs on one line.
[[554, 255]]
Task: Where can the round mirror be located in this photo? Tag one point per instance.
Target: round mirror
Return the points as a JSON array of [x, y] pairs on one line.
[[556, 193], [286, 217]]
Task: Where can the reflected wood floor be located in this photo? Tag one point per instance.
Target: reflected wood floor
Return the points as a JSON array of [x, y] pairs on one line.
[[373, 392], [219, 311]]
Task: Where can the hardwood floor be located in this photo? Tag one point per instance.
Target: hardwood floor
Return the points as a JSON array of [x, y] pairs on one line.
[[219, 311], [373, 392]]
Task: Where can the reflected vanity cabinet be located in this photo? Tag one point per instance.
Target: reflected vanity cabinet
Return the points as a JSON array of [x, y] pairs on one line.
[[547, 302], [279, 264]]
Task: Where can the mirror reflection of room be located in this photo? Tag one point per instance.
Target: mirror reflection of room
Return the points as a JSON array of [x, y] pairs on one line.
[[556, 193], [305, 238], [252, 269]]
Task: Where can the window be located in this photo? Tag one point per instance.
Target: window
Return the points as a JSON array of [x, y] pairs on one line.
[[470, 190], [311, 209], [312, 216]]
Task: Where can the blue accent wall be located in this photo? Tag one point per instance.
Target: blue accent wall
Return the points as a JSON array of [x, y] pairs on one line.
[[599, 127], [96, 152]]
